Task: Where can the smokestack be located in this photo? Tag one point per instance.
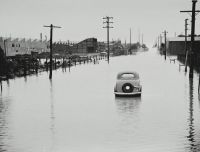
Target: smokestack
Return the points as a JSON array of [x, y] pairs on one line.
[[41, 37]]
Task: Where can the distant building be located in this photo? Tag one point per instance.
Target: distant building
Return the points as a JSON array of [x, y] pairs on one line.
[[117, 48], [102, 47], [176, 45], [17, 46], [87, 46], [61, 48]]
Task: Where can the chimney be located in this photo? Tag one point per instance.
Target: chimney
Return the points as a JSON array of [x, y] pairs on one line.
[[41, 37]]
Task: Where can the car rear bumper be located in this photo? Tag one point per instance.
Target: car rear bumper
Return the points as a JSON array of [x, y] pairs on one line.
[[128, 94]]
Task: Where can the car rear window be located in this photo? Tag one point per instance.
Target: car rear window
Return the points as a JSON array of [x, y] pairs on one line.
[[128, 76]]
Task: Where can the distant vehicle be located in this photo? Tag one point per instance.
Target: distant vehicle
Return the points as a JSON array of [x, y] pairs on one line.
[[103, 53], [128, 84]]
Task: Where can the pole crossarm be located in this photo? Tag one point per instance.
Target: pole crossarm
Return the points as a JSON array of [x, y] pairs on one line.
[[46, 26], [107, 17], [52, 26], [108, 27], [198, 11], [107, 22], [56, 27]]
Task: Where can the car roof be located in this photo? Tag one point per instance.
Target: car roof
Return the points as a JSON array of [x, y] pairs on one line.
[[127, 72]]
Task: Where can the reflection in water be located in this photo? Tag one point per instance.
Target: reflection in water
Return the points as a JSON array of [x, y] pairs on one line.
[[64, 69], [191, 136], [25, 79], [8, 83], [3, 124], [199, 88], [127, 105], [52, 105], [129, 118], [52, 115], [1, 87]]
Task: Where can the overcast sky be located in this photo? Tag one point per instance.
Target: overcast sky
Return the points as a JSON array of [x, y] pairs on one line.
[[81, 19]]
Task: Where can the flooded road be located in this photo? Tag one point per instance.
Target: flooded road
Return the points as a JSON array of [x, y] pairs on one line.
[[78, 112]]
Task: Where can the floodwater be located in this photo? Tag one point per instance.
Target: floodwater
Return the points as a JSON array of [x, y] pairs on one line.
[[78, 112]]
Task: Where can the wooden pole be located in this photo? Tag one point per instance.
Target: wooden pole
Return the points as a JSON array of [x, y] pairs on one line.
[[165, 34], [51, 35], [130, 42], [193, 52], [108, 55], [186, 51], [5, 48], [108, 27], [160, 39]]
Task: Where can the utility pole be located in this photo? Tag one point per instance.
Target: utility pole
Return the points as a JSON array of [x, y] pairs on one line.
[[165, 35], [130, 42], [142, 38], [186, 52], [5, 47], [160, 40], [139, 36], [192, 52], [51, 37], [107, 18]]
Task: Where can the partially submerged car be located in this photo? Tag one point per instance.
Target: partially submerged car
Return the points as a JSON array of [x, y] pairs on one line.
[[128, 84]]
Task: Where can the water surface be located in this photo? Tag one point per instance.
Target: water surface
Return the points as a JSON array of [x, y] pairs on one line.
[[78, 112]]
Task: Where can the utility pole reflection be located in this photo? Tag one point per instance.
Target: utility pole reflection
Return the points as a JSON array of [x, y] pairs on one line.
[[191, 134], [52, 115]]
